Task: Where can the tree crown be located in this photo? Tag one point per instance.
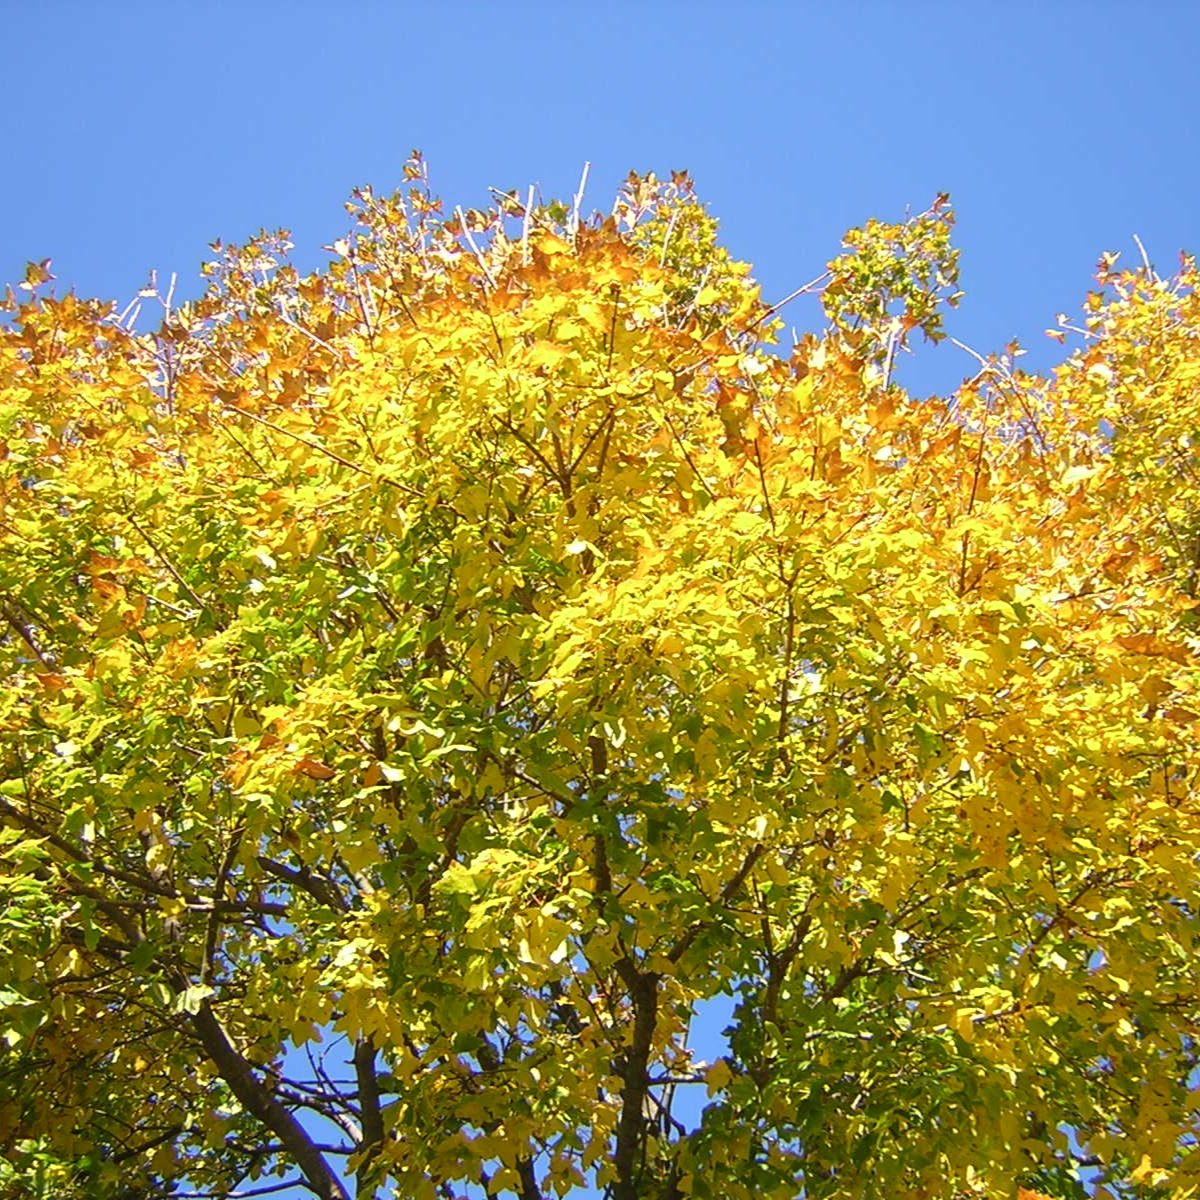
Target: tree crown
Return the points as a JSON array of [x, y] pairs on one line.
[[430, 681]]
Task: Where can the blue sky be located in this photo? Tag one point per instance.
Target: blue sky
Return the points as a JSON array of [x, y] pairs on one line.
[[136, 133]]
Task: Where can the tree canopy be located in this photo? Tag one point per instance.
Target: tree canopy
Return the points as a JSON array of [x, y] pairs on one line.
[[430, 681]]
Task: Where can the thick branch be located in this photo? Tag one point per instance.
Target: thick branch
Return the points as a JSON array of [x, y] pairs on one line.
[[528, 1177], [631, 1128], [371, 1113], [257, 1100]]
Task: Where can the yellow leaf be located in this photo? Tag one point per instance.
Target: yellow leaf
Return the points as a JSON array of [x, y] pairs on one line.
[[717, 1077], [963, 1023]]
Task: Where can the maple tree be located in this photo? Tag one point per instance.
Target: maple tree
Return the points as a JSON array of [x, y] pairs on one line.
[[431, 681]]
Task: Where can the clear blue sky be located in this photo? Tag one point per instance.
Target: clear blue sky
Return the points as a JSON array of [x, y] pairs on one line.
[[136, 133]]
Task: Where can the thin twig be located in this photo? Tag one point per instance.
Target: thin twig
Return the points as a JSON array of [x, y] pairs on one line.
[[962, 573], [662, 258], [312, 445], [128, 316], [732, 885], [360, 295], [213, 924], [986, 366], [762, 479], [772, 309], [526, 223], [685, 316], [166, 562], [462, 222], [266, 1190], [893, 339], [688, 457], [1150, 271], [308, 333], [574, 225]]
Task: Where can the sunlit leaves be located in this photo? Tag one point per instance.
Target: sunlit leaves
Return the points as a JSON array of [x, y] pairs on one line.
[[894, 278]]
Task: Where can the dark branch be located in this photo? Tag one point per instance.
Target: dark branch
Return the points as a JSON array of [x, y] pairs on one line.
[[257, 1100], [370, 1110], [631, 1127], [323, 890]]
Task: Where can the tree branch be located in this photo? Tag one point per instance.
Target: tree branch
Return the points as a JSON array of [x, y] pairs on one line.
[[370, 1111], [323, 890], [728, 892], [257, 1100], [631, 1127], [25, 630]]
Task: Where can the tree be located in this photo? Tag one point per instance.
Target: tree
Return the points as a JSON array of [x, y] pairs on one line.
[[431, 680]]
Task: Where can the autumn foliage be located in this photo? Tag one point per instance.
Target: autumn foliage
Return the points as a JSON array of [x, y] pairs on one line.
[[429, 681]]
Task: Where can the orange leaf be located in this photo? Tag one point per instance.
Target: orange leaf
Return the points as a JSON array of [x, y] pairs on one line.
[[1147, 643], [1182, 715], [313, 769]]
